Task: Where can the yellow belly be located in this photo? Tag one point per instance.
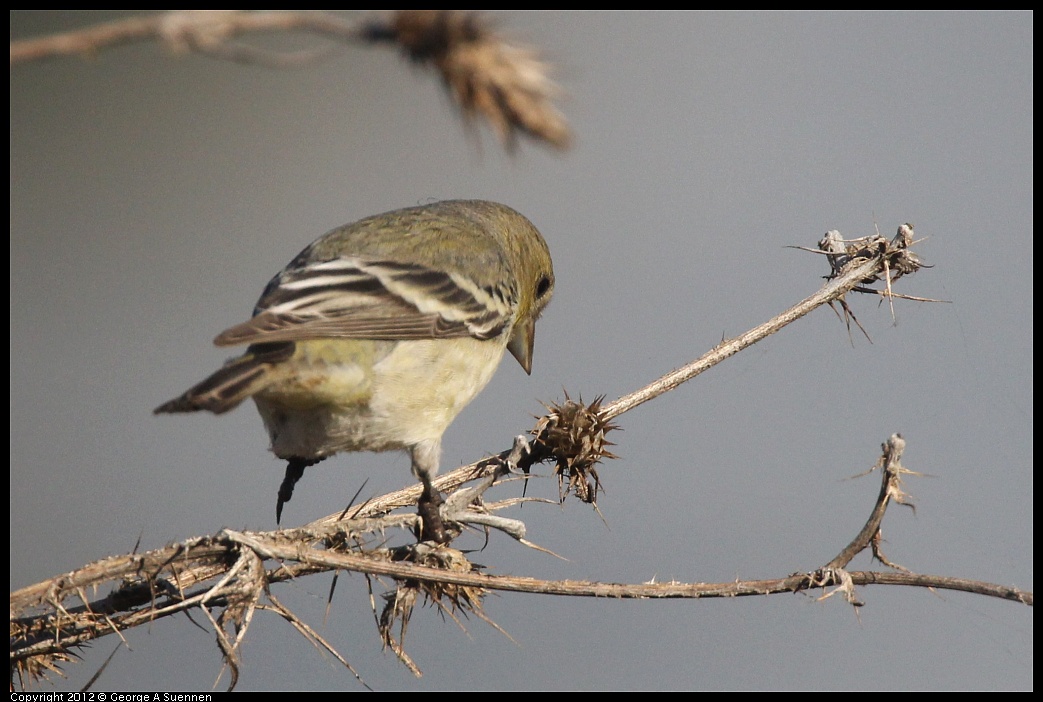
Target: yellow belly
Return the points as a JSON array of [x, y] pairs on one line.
[[348, 395]]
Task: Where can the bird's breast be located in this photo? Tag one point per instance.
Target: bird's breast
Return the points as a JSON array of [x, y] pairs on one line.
[[347, 395]]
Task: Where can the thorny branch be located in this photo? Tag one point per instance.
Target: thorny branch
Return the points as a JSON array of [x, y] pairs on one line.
[[487, 75], [854, 266], [226, 573]]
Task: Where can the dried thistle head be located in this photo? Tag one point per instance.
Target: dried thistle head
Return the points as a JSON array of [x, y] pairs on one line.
[[39, 669], [44, 667], [574, 435], [488, 76], [449, 597], [459, 597]]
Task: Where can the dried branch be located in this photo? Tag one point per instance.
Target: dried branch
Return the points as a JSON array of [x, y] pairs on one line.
[[862, 262], [487, 75], [182, 31], [46, 625], [225, 574]]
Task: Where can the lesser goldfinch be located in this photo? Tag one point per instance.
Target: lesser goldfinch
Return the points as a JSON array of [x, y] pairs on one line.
[[378, 333]]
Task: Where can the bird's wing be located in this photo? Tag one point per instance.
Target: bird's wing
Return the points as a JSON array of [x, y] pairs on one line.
[[356, 298]]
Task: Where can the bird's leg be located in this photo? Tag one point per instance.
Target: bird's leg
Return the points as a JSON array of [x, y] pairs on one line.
[[425, 458], [431, 526], [294, 471]]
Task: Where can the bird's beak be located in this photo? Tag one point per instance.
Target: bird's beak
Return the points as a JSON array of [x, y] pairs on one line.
[[520, 343]]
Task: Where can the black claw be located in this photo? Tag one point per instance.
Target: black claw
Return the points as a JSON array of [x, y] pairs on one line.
[[294, 471]]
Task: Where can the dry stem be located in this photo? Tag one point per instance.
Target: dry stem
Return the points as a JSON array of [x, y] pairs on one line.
[[486, 75], [225, 572]]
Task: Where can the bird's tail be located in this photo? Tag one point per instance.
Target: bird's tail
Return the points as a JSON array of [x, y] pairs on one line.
[[237, 380]]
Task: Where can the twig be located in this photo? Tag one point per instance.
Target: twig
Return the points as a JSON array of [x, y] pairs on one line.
[[865, 264], [486, 75]]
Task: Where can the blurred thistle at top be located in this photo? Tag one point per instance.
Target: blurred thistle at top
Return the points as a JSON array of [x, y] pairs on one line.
[[488, 76]]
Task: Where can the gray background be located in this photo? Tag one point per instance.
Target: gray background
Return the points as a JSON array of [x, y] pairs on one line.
[[152, 197]]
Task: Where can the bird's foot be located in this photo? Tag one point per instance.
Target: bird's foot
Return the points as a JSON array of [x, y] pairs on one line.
[[431, 526]]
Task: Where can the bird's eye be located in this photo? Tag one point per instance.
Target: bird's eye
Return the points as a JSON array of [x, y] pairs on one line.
[[542, 286]]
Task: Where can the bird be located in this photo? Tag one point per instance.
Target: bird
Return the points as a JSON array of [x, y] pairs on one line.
[[378, 333]]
